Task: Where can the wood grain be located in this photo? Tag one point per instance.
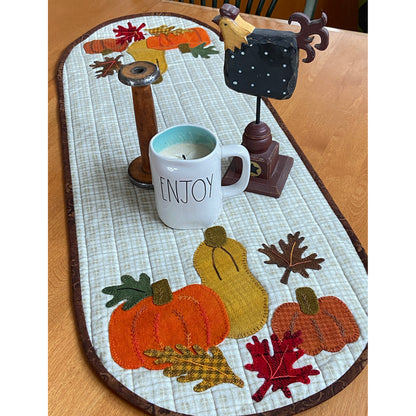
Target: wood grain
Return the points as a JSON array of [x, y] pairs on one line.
[[328, 117]]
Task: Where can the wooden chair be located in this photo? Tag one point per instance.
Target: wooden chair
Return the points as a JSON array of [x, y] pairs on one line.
[[309, 10]]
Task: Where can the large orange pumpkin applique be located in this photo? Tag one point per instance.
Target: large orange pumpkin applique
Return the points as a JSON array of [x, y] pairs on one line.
[[171, 38], [154, 318], [326, 323]]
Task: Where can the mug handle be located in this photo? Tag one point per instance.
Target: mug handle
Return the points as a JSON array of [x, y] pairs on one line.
[[232, 150]]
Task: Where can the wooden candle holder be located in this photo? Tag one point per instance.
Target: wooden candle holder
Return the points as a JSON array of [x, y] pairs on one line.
[[139, 76], [269, 169]]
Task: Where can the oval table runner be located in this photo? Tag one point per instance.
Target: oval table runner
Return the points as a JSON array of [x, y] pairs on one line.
[[314, 339]]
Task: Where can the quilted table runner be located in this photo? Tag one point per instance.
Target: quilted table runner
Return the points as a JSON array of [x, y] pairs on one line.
[[263, 313]]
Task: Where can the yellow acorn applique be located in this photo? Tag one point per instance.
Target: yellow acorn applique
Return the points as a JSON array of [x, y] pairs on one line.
[[221, 263]]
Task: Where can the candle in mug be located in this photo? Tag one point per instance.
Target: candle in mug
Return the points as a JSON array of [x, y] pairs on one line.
[[185, 151], [188, 193]]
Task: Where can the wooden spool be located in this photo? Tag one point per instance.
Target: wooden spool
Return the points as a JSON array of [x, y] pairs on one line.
[[139, 76]]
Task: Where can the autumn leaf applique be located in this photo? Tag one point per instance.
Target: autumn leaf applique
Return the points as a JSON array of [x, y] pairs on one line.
[[129, 33], [291, 257], [131, 290], [188, 366], [200, 50], [107, 67], [277, 369]]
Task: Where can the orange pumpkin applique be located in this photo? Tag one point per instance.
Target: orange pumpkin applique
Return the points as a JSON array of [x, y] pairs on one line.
[[171, 40], [153, 317], [105, 46], [326, 323]]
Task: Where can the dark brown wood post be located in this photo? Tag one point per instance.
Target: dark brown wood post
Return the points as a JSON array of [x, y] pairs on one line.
[[140, 75], [269, 169]]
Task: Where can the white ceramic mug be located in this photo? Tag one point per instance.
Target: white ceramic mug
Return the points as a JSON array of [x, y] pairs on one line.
[[185, 162]]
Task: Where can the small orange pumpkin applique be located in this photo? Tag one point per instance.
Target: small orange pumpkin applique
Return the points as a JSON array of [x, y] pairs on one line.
[[153, 317], [105, 46], [326, 323]]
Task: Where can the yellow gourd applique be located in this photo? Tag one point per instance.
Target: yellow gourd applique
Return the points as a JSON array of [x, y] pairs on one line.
[[221, 263]]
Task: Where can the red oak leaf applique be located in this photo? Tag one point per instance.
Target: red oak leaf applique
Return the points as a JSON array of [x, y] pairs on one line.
[[129, 33], [277, 370]]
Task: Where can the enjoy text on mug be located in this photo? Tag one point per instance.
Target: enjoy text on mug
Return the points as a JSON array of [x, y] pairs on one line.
[[186, 190]]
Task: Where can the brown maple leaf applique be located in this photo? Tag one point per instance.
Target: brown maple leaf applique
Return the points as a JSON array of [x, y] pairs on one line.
[[107, 67], [291, 257]]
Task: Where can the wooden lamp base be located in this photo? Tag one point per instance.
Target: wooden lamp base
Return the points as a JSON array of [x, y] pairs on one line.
[[269, 169]]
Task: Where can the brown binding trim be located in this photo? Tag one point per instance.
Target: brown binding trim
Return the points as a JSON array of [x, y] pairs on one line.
[[92, 357]]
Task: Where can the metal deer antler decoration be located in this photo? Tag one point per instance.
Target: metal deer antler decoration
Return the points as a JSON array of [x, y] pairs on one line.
[[264, 63]]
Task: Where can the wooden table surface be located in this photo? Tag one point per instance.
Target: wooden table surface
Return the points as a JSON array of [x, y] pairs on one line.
[[327, 115]]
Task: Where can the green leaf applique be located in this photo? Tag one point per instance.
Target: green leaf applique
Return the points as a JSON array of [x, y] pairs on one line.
[[131, 290], [199, 50]]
